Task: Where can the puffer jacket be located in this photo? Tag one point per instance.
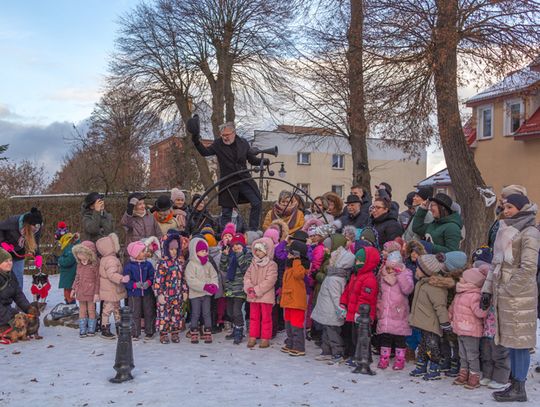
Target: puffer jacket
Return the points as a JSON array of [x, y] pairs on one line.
[[428, 310], [465, 314], [140, 227], [10, 293], [235, 287], [337, 241], [325, 311], [387, 227], [393, 304], [197, 274], [139, 272], [262, 275], [444, 233], [362, 287], [67, 265], [110, 269], [293, 291], [10, 232], [86, 284], [512, 281]]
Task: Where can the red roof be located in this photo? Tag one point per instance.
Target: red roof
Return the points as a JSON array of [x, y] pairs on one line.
[[470, 132], [530, 129]]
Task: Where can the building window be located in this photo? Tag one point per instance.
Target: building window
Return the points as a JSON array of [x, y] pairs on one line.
[[513, 116], [338, 161], [303, 158], [304, 188], [338, 190], [485, 122]]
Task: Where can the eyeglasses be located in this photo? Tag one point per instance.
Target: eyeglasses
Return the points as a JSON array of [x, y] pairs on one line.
[[373, 207]]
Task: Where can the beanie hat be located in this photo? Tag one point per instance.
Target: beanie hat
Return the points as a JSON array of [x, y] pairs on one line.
[[475, 276], [349, 232], [177, 194], [297, 248], [230, 228], [89, 245], [483, 253], [33, 217], [409, 199], [360, 256], [428, 246], [61, 230], [299, 235], [207, 230], [260, 246], [208, 234], [201, 245], [312, 222], [429, 264], [385, 186], [424, 192], [518, 200], [135, 248], [163, 203], [252, 235], [513, 189], [4, 255], [272, 234], [238, 238], [453, 260], [392, 246], [369, 234]]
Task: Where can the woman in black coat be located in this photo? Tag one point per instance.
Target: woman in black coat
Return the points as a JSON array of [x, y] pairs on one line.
[[384, 221], [10, 291]]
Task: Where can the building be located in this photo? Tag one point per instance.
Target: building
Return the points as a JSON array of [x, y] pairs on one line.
[[504, 131], [318, 161], [440, 182]]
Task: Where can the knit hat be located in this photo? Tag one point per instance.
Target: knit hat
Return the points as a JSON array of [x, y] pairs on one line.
[[177, 194], [424, 192], [33, 217], [483, 253], [392, 246], [360, 256], [298, 249], [4, 255], [394, 259], [209, 235], [201, 245], [230, 228], [61, 230], [238, 238], [475, 276], [513, 189], [369, 234], [518, 200], [135, 248], [429, 264], [260, 246], [272, 234], [299, 235], [252, 235], [428, 246], [89, 245], [454, 261]]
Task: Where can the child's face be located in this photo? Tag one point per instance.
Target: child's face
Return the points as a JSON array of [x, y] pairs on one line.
[[6, 265], [259, 254], [389, 269], [414, 256], [359, 263], [179, 202], [173, 251], [315, 239], [509, 210], [141, 255], [202, 253], [84, 260], [419, 274], [226, 238], [238, 248]]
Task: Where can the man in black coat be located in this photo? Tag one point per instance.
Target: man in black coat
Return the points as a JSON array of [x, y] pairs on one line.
[[353, 214], [232, 153]]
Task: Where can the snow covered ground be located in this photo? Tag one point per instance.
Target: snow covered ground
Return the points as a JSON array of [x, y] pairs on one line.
[[63, 370]]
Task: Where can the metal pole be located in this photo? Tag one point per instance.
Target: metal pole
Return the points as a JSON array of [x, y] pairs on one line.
[[123, 363]]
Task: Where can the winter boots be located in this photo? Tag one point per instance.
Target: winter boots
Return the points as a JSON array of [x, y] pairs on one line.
[[207, 335], [463, 377], [399, 361], [164, 338], [83, 327], [194, 336], [384, 359], [433, 372], [251, 342], [297, 342], [92, 323], [473, 382], [238, 334], [106, 332], [514, 392], [265, 343], [289, 340], [453, 371], [175, 337], [421, 368]]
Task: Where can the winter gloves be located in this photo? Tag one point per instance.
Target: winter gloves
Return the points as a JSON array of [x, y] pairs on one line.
[[146, 284], [140, 284], [193, 127], [210, 288], [125, 279], [7, 246], [341, 312], [38, 261], [131, 205], [485, 301], [251, 293]]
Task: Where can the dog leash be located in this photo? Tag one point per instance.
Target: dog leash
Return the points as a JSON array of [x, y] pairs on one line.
[[4, 340]]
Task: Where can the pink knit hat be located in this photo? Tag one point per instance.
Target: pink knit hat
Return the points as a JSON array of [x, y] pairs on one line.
[[201, 245], [230, 228], [89, 245], [135, 248], [475, 276], [177, 194], [272, 234]]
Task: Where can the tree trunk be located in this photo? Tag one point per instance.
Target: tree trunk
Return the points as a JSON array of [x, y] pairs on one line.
[[463, 170], [357, 118]]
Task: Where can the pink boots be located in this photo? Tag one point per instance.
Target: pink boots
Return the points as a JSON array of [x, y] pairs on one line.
[[399, 361], [384, 359]]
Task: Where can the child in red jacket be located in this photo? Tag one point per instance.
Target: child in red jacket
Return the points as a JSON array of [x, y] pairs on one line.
[[361, 289]]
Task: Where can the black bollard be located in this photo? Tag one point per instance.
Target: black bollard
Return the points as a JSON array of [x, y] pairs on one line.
[[123, 363], [363, 343]]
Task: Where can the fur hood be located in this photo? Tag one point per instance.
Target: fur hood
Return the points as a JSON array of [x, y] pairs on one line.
[[108, 245], [86, 251], [442, 281], [415, 246], [284, 228], [269, 246]]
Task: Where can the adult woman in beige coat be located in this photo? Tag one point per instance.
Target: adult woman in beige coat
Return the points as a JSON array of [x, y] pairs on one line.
[[511, 286]]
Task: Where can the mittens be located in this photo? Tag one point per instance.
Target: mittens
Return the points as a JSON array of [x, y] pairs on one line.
[[251, 293], [485, 301], [131, 206], [7, 246], [138, 284], [210, 288], [125, 279], [341, 311], [146, 284], [38, 261], [193, 127]]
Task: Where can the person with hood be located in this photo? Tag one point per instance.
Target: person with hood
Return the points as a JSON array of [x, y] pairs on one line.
[[327, 312], [445, 230], [511, 288], [259, 282], [20, 235], [10, 291], [499, 211], [141, 298], [396, 283], [111, 282], [86, 286], [171, 289], [286, 209], [361, 289], [384, 221], [202, 282], [96, 221], [163, 214], [67, 265]]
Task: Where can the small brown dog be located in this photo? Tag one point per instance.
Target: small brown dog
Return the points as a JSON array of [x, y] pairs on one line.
[[33, 321], [18, 331]]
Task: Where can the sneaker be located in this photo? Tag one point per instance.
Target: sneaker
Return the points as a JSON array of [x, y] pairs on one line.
[[148, 336], [485, 381], [323, 357], [294, 352], [83, 335], [433, 373], [135, 338], [496, 386], [285, 349], [336, 359], [350, 362]]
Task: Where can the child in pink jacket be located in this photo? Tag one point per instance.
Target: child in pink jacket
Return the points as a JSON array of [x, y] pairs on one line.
[[467, 320], [259, 282], [395, 285]]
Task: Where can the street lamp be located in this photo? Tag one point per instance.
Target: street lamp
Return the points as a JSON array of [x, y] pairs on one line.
[[282, 173]]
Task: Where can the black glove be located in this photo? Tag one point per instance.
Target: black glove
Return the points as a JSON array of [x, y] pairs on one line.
[[131, 205], [485, 301], [446, 328], [193, 127], [266, 161]]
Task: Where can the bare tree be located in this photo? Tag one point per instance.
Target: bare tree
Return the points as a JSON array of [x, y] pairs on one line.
[[425, 50], [21, 178]]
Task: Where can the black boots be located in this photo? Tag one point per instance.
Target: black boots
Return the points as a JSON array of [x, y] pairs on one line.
[[106, 332], [514, 392]]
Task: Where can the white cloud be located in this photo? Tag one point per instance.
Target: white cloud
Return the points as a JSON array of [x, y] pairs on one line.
[[85, 95]]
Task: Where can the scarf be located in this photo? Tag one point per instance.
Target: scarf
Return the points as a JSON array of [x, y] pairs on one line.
[[203, 259], [261, 262], [233, 264], [167, 218], [389, 278], [279, 212], [140, 214], [5, 278]]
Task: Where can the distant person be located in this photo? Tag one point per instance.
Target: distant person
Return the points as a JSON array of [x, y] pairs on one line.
[[96, 221]]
